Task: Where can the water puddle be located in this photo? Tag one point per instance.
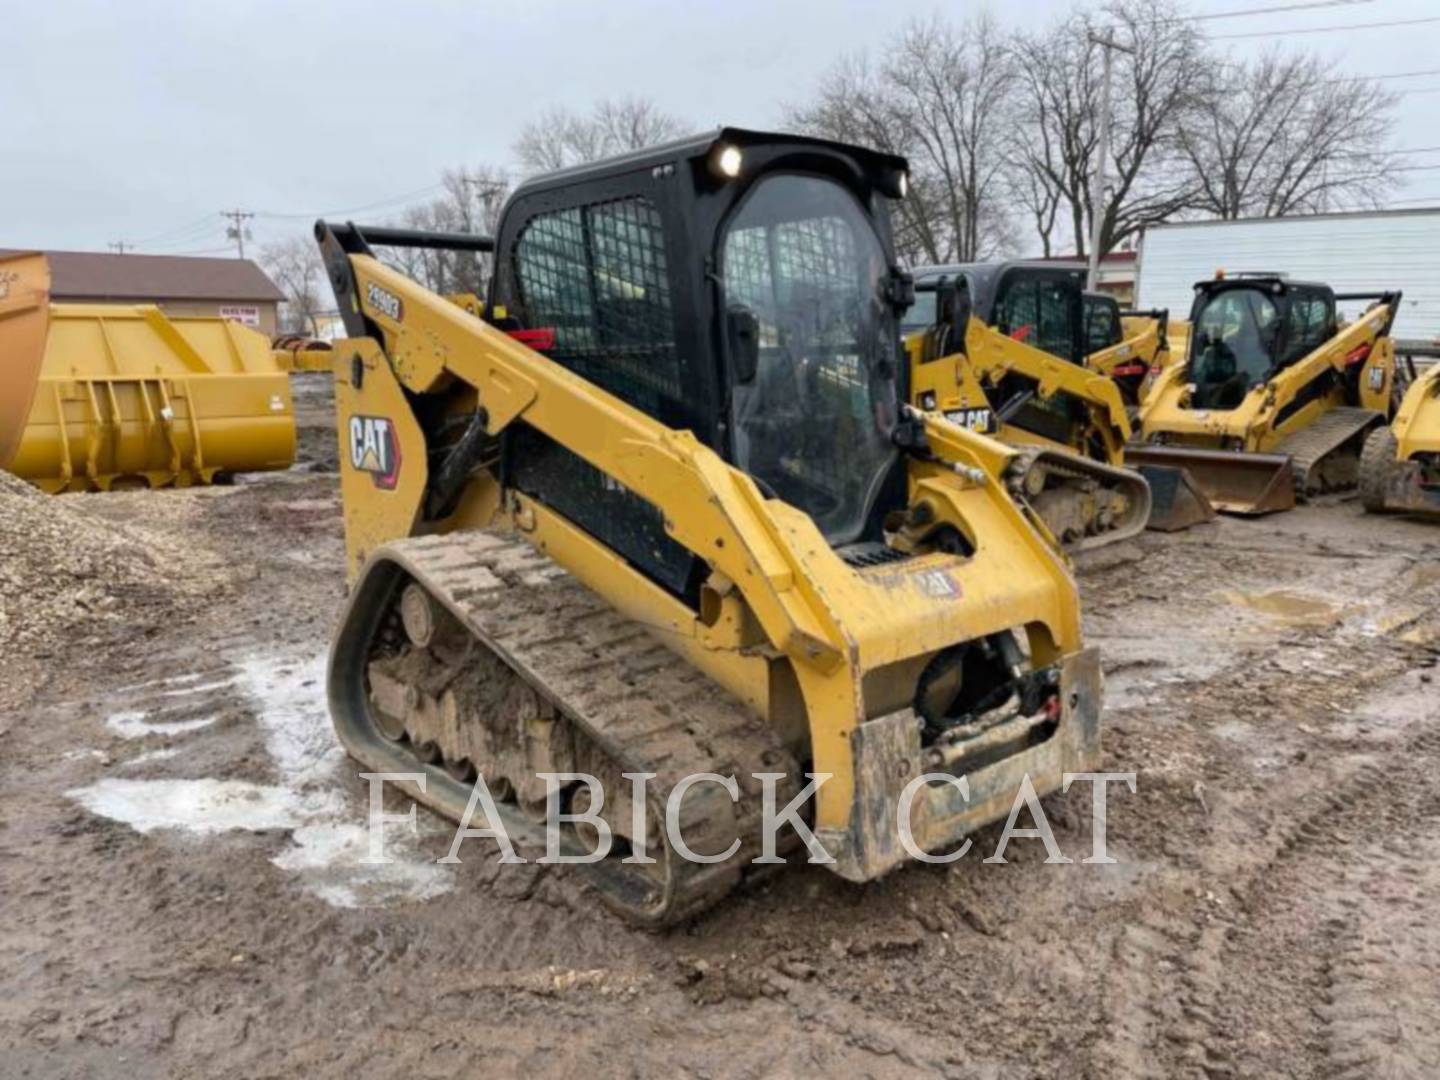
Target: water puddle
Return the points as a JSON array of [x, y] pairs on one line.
[[1292, 608]]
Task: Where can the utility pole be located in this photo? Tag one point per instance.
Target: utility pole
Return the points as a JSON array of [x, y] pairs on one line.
[[1097, 191], [238, 230], [120, 246]]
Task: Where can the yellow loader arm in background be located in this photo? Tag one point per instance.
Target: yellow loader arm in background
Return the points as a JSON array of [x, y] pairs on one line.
[[1138, 357], [993, 383]]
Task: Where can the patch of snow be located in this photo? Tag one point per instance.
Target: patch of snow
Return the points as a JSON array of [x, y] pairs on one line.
[[291, 703], [201, 806], [164, 754], [329, 839], [330, 858], [200, 689], [84, 752], [133, 725]]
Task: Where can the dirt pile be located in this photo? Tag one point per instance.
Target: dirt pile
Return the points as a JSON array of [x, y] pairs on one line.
[[67, 575]]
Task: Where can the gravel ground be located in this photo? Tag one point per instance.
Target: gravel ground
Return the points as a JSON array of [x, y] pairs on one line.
[[181, 841]]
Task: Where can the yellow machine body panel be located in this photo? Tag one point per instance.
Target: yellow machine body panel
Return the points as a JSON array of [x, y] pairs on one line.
[[1400, 466], [123, 394], [779, 599], [1417, 422]]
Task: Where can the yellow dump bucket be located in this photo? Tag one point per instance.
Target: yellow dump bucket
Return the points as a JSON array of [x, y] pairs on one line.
[[95, 396]]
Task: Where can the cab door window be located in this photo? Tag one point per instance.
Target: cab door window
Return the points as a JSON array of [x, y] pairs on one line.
[[1039, 311]]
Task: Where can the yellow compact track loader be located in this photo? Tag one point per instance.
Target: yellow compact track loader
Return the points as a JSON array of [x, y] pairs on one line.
[[1276, 396], [668, 516], [998, 348], [96, 396], [1400, 466]]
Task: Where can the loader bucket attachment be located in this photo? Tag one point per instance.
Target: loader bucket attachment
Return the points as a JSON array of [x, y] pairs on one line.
[[24, 324], [1176, 501], [1234, 482], [95, 396]]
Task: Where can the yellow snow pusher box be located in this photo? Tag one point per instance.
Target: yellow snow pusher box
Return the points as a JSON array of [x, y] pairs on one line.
[[95, 396]]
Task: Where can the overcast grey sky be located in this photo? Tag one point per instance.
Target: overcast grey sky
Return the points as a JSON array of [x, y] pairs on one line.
[[142, 120]]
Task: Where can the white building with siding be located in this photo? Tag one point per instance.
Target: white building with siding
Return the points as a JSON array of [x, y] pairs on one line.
[[1355, 252]]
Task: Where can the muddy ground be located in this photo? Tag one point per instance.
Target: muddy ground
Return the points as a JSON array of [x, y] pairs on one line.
[[180, 846]]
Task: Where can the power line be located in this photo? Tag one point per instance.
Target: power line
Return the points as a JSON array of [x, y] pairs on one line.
[[238, 231], [192, 231], [1325, 29], [1380, 78], [1272, 10], [201, 251], [120, 246], [409, 195], [190, 227]]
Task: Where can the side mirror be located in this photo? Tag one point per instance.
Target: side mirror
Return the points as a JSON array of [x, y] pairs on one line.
[[742, 342]]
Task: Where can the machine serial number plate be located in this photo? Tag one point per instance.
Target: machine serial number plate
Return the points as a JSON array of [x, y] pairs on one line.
[[981, 420]]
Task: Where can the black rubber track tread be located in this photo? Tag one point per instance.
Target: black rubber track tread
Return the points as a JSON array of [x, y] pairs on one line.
[[641, 704]]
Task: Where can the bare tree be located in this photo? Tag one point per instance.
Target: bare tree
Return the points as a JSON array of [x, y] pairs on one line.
[[470, 203], [953, 86], [855, 104], [558, 138], [1287, 135], [940, 96], [1159, 89], [294, 265]]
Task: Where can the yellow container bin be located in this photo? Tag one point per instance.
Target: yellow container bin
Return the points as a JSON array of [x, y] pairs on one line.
[[95, 396]]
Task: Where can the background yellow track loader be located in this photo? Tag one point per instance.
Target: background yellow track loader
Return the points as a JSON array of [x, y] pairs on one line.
[[1017, 370], [1276, 397], [667, 515], [1400, 466], [98, 395]]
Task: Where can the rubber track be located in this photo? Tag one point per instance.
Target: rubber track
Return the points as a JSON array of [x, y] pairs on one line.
[[1308, 446], [647, 708], [1027, 459]]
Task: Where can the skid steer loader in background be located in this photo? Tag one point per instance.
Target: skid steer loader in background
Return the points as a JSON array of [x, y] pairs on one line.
[[1001, 348], [662, 511], [97, 396], [1128, 347], [1276, 396], [1400, 465]]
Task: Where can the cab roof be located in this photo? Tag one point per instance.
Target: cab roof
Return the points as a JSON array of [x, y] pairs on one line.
[[983, 279], [701, 146]]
